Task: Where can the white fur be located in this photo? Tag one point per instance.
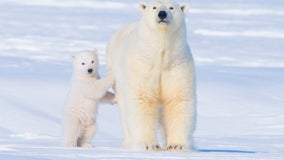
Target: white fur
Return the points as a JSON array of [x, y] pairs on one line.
[[79, 121], [155, 79]]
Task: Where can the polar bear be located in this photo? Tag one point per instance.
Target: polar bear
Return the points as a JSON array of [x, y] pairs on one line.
[[155, 78], [87, 90]]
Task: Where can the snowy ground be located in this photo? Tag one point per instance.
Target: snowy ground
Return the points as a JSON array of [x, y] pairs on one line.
[[238, 46]]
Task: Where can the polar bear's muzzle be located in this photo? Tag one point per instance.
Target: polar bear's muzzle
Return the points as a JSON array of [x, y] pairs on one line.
[[90, 71], [162, 17]]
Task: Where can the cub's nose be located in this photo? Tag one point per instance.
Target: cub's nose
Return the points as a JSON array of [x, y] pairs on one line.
[[90, 70], [162, 14]]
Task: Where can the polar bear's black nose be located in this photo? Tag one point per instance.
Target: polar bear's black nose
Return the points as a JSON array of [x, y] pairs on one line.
[[162, 14], [90, 70]]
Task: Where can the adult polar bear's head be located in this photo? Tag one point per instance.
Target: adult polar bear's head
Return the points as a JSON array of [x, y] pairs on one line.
[[163, 14]]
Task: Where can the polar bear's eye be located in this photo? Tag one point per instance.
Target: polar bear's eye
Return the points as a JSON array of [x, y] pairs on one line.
[[83, 63], [171, 8], [154, 7], [93, 61]]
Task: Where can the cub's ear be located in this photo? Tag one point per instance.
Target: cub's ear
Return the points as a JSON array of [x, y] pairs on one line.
[[72, 57], [95, 51], [184, 8], [142, 6]]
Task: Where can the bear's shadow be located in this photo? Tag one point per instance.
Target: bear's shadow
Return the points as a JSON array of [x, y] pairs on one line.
[[225, 151]]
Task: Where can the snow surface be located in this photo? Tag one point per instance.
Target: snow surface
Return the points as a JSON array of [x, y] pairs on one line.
[[238, 47]]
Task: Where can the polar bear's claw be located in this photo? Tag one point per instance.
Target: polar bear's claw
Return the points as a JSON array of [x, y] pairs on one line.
[[176, 148], [153, 148]]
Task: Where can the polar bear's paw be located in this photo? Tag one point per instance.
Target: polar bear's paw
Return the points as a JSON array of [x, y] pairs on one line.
[[153, 147], [149, 147], [176, 148], [87, 145]]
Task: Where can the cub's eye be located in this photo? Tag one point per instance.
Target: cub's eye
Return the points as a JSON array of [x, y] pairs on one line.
[[93, 61], [171, 8], [83, 63], [154, 7]]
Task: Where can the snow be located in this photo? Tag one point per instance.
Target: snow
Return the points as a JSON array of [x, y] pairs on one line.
[[238, 48], [252, 33]]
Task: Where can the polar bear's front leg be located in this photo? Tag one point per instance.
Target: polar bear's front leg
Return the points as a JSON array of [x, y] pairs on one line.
[[179, 119], [98, 88], [143, 124], [123, 115]]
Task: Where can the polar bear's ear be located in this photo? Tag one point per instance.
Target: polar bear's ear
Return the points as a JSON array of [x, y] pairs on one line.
[[143, 6], [184, 8], [95, 51]]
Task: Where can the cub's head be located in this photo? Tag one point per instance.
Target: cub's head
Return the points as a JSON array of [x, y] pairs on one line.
[[163, 14], [86, 63]]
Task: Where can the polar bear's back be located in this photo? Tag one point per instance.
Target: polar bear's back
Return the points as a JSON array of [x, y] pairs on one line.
[[123, 33], [118, 42]]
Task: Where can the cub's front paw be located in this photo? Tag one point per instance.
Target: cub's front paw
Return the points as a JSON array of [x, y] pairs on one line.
[[114, 101]]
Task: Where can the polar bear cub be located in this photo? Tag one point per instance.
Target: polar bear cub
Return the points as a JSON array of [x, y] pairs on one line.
[[87, 90], [155, 78]]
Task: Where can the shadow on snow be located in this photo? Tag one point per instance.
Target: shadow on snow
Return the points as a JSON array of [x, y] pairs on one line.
[[225, 151]]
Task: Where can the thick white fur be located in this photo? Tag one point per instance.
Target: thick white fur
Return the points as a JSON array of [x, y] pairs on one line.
[[87, 90], [155, 79]]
